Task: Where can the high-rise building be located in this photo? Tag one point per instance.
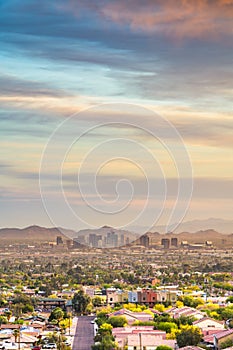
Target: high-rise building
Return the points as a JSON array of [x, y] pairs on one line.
[[59, 240], [95, 241], [174, 241], [144, 241], [165, 242], [111, 239], [122, 239]]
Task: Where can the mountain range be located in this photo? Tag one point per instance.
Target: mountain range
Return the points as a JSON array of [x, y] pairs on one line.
[[217, 224], [36, 234]]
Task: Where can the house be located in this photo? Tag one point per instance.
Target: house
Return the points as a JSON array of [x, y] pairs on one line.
[[133, 297], [191, 347], [164, 295], [122, 296], [207, 323], [112, 296], [144, 341], [131, 317], [121, 334], [217, 338], [185, 311], [51, 303], [147, 296]]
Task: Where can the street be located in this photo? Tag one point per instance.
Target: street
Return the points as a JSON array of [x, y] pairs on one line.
[[83, 339]]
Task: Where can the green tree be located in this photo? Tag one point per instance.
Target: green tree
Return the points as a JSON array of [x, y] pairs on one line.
[[16, 334], [56, 314], [167, 326], [163, 347], [226, 313], [226, 344], [3, 320], [190, 301], [104, 338], [117, 321], [107, 343], [97, 301], [80, 302], [189, 336], [27, 308]]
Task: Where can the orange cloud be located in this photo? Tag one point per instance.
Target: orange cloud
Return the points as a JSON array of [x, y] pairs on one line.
[[178, 19]]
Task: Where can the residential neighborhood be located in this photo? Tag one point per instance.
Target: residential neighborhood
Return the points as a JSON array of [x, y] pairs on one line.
[[116, 300]]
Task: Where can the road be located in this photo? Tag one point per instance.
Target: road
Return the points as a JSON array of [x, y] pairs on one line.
[[83, 339]]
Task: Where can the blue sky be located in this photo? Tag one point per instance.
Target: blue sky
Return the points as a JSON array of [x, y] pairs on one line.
[[59, 58]]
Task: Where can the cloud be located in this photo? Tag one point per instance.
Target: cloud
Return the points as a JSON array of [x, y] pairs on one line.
[[15, 86], [177, 19]]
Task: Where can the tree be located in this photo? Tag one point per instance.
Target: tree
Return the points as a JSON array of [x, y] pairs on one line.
[[3, 320], [163, 347], [107, 343], [17, 309], [97, 301], [56, 314], [226, 313], [8, 314], [16, 334], [192, 302], [104, 338], [226, 344], [189, 336], [167, 326], [117, 321], [80, 301], [27, 308]]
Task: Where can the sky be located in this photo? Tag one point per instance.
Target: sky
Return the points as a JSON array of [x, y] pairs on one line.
[[115, 112]]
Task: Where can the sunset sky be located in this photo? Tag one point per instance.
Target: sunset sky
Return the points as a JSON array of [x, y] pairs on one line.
[[172, 58]]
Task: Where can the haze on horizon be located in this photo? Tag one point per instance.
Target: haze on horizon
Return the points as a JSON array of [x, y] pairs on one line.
[[59, 58]]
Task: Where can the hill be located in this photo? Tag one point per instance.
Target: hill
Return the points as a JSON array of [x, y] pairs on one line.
[[107, 236], [220, 225], [30, 235]]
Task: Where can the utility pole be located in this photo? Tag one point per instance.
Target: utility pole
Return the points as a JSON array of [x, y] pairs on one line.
[[69, 322], [140, 341], [19, 338]]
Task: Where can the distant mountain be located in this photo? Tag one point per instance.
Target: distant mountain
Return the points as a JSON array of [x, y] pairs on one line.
[[31, 234], [36, 234], [220, 225], [107, 236]]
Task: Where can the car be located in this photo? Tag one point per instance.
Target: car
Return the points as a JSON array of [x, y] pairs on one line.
[[36, 347], [67, 343], [2, 347], [10, 346], [51, 346]]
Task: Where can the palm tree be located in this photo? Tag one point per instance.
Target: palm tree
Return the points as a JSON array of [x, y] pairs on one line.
[[16, 333]]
